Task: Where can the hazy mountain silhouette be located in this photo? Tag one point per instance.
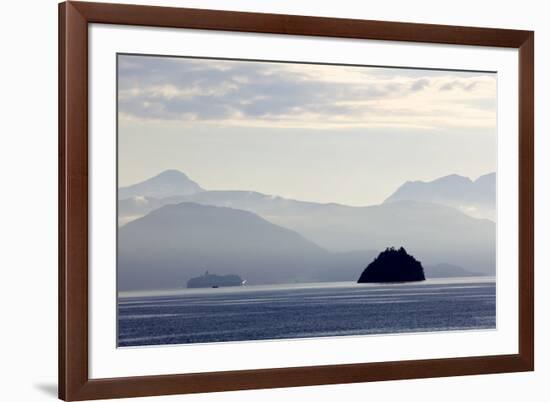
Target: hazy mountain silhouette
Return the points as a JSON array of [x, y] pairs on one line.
[[177, 242], [444, 270], [166, 184], [261, 204], [434, 233], [475, 198]]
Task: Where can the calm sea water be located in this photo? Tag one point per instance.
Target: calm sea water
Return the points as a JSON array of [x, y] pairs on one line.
[[304, 311]]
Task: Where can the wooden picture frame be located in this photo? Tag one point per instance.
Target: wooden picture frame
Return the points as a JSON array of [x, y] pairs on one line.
[[74, 381]]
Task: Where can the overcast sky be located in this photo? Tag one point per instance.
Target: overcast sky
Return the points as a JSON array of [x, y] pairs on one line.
[[322, 133]]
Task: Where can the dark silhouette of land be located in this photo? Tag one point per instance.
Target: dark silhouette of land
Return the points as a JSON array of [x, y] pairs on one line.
[[393, 265], [214, 281]]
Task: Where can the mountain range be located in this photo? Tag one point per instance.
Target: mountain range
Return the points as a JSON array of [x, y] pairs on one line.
[[166, 184], [176, 242], [476, 198], [270, 239]]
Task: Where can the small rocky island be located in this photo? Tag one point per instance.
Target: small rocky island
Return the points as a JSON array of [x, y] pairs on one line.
[[214, 281], [393, 265]]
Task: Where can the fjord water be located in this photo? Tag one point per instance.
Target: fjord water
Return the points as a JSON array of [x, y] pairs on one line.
[[304, 311]]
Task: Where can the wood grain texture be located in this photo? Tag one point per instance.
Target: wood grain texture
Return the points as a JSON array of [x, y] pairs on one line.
[[73, 202], [526, 239], [74, 382], [298, 25]]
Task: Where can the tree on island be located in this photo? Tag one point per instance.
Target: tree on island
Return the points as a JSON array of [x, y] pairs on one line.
[[393, 265]]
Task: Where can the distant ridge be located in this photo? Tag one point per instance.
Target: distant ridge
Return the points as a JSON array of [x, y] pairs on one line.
[[177, 242], [166, 184], [476, 198], [444, 270]]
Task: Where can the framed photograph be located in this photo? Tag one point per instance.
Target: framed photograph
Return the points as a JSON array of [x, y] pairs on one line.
[[259, 200]]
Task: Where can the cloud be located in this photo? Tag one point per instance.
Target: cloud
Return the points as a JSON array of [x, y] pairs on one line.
[[420, 84], [465, 85], [298, 95]]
